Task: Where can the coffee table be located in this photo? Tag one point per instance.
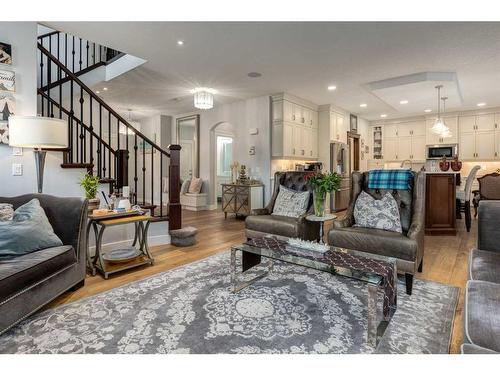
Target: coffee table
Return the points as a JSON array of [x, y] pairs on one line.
[[378, 272]]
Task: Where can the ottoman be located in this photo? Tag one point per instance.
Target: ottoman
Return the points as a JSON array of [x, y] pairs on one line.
[[183, 237]]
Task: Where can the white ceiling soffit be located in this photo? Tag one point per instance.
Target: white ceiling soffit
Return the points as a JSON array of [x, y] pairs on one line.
[[419, 90]]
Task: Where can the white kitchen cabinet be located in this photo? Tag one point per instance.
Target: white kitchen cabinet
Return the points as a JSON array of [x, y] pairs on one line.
[[288, 111], [390, 130], [314, 143], [341, 128], [314, 119], [485, 122], [435, 139], [478, 137], [288, 139], [497, 145], [404, 148], [376, 164], [467, 147], [467, 124], [418, 148], [390, 148], [485, 145]]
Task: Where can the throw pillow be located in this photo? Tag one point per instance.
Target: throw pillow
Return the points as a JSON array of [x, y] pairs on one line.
[[6, 211], [185, 186], [195, 185], [28, 231], [291, 203], [378, 214]]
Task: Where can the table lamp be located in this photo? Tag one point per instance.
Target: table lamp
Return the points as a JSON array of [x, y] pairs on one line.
[[38, 133]]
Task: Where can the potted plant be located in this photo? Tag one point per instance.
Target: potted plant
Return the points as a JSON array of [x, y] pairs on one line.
[[323, 183], [90, 183]]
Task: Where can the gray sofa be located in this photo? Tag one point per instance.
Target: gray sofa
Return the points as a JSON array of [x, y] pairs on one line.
[[30, 281], [482, 292], [406, 247], [261, 223]]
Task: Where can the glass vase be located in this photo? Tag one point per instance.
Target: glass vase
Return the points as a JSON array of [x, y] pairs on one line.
[[319, 198]]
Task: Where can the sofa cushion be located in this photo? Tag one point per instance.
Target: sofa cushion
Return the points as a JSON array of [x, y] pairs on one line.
[[20, 272], [482, 317], [376, 241], [28, 231], [291, 203], [273, 224], [377, 213], [484, 266], [195, 185], [474, 349]]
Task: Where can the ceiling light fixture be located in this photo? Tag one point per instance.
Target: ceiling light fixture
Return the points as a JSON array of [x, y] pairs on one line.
[[427, 110], [439, 126], [332, 88], [403, 102], [203, 97], [105, 88], [180, 42], [97, 92], [482, 104], [363, 105], [383, 115]]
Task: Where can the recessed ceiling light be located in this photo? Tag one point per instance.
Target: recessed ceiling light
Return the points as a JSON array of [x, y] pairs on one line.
[[180, 42], [427, 110], [363, 105], [97, 92], [482, 104], [403, 102], [332, 88], [383, 115], [254, 74], [105, 88]]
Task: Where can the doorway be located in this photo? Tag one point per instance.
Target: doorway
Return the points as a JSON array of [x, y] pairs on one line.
[[353, 142], [224, 159]]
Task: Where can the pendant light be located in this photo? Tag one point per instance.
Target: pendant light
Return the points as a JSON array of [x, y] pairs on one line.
[[129, 131], [446, 133], [439, 126], [203, 97]]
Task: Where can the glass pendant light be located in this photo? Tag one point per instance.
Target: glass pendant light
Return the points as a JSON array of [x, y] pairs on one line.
[[129, 131], [446, 133], [439, 126], [203, 97]]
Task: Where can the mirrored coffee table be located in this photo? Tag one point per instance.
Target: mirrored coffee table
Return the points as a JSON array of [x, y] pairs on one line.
[[378, 272]]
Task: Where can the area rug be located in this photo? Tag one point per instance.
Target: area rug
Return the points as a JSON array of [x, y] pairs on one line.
[[191, 309]]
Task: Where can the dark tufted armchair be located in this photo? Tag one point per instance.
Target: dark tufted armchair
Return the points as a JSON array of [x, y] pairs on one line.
[[406, 247], [261, 223]]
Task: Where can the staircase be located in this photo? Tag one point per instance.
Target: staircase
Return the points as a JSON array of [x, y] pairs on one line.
[[100, 140]]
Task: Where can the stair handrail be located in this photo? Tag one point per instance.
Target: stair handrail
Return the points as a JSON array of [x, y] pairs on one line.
[[99, 100]]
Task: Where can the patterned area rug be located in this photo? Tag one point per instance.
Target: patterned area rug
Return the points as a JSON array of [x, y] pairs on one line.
[[191, 309]]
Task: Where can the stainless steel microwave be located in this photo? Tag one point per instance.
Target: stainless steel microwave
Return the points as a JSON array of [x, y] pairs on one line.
[[440, 151]]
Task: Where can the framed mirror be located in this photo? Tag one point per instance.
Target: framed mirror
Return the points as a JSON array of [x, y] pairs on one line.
[[188, 135]]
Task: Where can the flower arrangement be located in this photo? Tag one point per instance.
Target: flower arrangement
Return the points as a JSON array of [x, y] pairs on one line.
[[322, 183]]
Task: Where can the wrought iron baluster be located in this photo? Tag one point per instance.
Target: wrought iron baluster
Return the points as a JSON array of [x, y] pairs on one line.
[[50, 108], [99, 148], [73, 55], [91, 130], [87, 53], [66, 50], [109, 143], [161, 184], [72, 113], [41, 80], [135, 167], [152, 181], [82, 136], [59, 76], [93, 53], [143, 172], [80, 57]]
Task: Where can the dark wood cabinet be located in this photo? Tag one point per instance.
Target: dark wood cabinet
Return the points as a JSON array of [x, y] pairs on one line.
[[440, 204]]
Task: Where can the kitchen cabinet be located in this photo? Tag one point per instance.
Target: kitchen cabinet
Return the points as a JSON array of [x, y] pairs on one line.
[[404, 148], [440, 215], [391, 148], [436, 139], [404, 141], [478, 135], [294, 129], [375, 164], [418, 148], [467, 147], [485, 145], [391, 130], [338, 127]]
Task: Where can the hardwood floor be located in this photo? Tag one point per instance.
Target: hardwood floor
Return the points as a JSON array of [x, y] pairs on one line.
[[445, 259]]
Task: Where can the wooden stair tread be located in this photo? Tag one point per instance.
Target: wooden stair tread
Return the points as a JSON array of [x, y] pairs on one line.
[[106, 180], [156, 219], [77, 165]]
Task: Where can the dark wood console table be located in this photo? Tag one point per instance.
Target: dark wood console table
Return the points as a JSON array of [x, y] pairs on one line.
[[440, 204]]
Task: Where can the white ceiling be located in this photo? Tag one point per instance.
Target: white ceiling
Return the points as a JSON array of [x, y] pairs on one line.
[[303, 59]]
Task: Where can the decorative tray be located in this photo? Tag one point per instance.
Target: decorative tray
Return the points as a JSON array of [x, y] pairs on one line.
[[121, 255]]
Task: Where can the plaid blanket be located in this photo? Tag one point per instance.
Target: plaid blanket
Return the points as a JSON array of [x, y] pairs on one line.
[[390, 179]]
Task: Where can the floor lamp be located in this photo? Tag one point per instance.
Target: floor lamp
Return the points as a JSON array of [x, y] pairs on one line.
[[38, 133]]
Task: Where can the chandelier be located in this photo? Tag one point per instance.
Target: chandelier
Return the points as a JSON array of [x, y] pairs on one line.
[[129, 131], [439, 126], [203, 97]]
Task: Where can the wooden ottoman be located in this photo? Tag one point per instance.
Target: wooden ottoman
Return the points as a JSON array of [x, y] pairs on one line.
[[183, 237]]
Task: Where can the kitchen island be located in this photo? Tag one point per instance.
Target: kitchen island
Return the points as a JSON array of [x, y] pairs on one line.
[[440, 204]]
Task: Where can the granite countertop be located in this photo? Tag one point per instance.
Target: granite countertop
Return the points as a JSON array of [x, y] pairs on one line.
[[441, 172]]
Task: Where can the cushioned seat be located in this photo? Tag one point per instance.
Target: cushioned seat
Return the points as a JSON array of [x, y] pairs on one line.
[[273, 224], [484, 266], [21, 272], [375, 241], [482, 318], [474, 349]]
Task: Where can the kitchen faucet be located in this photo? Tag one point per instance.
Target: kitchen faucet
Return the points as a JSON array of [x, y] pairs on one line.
[[404, 162]]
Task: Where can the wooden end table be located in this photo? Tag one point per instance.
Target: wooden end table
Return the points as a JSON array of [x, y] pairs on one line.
[[321, 220]]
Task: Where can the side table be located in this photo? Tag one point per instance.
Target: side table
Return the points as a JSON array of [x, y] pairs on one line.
[[321, 220], [106, 267]]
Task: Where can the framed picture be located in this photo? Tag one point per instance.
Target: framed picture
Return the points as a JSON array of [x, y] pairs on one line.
[[7, 81], [148, 147], [7, 108], [354, 123], [5, 53]]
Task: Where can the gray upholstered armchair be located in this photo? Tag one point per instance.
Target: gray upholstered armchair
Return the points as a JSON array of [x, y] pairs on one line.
[[261, 223], [28, 282], [407, 247]]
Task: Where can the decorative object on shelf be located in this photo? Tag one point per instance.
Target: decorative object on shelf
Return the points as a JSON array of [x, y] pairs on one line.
[[5, 53], [456, 165], [354, 123], [203, 97], [308, 245], [7, 81], [234, 171], [439, 126], [444, 164], [323, 183], [7, 109], [38, 132], [90, 183], [242, 176]]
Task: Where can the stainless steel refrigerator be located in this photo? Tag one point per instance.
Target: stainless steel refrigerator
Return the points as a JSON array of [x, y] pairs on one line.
[[339, 162]]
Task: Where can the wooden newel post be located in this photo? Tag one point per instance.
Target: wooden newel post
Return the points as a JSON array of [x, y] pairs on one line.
[[174, 203]]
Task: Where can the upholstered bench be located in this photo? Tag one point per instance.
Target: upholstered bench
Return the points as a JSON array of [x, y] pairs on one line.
[[183, 237]]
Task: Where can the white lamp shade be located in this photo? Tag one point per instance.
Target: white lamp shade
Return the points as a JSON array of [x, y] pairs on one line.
[[37, 132]]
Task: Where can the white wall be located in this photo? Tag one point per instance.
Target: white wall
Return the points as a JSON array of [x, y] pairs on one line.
[[242, 115]]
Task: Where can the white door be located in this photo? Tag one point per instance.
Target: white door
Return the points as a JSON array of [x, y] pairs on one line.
[[418, 148], [485, 145], [288, 148], [467, 148], [404, 148], [390, 149], [186, 159], [467, 124], [485, 122]]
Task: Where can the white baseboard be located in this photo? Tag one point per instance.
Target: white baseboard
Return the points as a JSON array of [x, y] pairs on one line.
[[212, 207]]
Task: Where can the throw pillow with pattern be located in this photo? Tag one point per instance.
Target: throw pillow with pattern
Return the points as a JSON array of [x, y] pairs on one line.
[[378, 214], [6, 211], [291, 203]]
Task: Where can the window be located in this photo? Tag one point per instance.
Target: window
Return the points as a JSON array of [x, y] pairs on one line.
[[224, 155]]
